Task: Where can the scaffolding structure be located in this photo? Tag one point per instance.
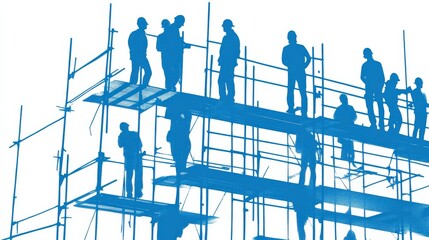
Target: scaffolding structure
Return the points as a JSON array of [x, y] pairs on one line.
[[247, 156]]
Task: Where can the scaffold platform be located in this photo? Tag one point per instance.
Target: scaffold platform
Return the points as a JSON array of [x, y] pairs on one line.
[[139, 207], [125, 95], [386, 213]]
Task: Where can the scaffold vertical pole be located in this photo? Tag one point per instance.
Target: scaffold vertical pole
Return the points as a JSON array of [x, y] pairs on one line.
[[101, 156], [18, 147], [323, 140], [62, 151], [66, 196]]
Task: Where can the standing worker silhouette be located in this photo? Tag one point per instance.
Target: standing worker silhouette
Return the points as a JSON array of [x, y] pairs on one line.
[[296, 58], [346, 115], [178, 137], [174, 49], [131, 143], [373, 76], [228, 55], [390, 95], [137, 42], [420, 113], [162, 46], [307, 146]]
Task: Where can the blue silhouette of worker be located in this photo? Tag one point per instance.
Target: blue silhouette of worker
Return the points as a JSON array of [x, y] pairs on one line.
[[171, 223], [303, 205], [174, 50], [131, 144], [390, 95], [137, 42], [420, 113], [178, 135], [162, 46], [295, 56], [350, 235], [346, 115], [228, 55], [372, 75], [307, 146]]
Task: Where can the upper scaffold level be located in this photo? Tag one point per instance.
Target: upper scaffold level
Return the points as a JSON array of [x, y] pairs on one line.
[[125, 95], [390, 214]]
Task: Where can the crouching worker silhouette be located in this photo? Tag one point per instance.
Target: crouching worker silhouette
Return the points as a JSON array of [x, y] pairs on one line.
[[346, 116], [131, 143], [171, 224], [307, 146]]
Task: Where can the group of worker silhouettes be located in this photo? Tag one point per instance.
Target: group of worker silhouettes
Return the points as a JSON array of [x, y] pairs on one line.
[[296, 58]]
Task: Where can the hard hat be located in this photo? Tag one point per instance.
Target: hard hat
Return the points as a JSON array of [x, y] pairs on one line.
[[179, 19], [227, 23], [394, 77], [141, 21], [367, 51], [165, 23]]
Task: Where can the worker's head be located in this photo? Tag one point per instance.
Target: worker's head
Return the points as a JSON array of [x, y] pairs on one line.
[[165, 23], [344, 99], [350, 235], [179, 20], [123, 126], [227, 23], [142, 23], [291, 36], [367, 53], [418, 82], [394, 77]]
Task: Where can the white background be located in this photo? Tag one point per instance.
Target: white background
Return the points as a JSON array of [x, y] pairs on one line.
[[35, 37]]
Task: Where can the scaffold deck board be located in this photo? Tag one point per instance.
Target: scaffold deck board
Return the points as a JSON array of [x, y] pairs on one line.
[[386, 211], [403, 146], [266, 238], [125, 95], [139, 207]]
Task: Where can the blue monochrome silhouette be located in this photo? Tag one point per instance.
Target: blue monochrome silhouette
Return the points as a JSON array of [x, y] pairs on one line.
[[296, 57], [228, 55], [372, 75], [137, 42]]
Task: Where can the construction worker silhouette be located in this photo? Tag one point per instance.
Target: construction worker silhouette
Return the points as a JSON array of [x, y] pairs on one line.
[[162, 46], [373, 76], [171, 223], [307, 146], [420, 113], [178, 137], [303, 205], [350, 235], [296, 58], [228, 55], [346, 115], [137, 42], [174, 50], [390, 95], [131, 144]]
